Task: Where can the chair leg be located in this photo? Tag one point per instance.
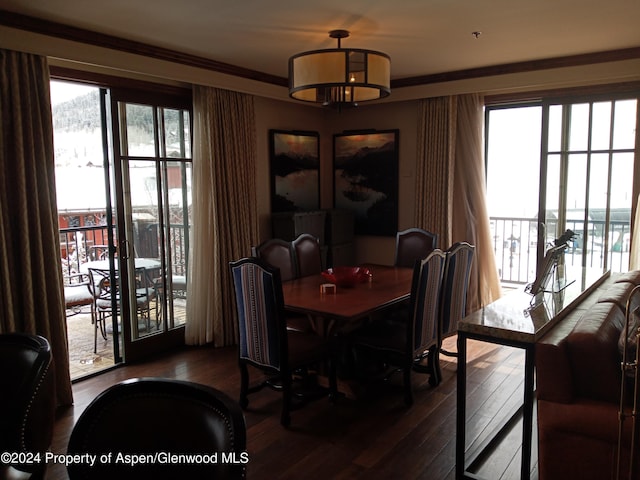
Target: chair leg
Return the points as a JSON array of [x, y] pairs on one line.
[[244, 386], [285, 418], [333, 380], [408, 390], [433, 366]]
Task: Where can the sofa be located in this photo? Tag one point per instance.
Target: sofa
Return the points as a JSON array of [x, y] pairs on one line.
[[578, 379]]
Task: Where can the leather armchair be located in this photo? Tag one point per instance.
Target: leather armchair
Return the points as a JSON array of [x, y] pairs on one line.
[[155, 416], [27, 401]]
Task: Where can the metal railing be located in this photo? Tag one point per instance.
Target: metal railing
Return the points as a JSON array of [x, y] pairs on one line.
[[515, 245], [79, 245]]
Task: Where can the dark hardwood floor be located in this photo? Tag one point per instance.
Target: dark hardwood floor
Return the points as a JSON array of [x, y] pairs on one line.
[[370, 434]]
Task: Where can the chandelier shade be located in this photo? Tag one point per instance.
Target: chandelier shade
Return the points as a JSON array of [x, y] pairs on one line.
[[339, 76]]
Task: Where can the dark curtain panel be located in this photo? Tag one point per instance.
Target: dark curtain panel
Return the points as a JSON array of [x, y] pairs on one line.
[[31, 292]]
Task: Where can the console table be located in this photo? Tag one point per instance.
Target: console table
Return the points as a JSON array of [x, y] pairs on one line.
[[516, 320]]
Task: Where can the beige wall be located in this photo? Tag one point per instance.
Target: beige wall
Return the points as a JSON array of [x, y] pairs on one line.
[[274, 114], [275, 110]]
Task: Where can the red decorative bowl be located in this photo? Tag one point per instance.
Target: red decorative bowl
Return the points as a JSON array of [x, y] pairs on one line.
[[346, 276]]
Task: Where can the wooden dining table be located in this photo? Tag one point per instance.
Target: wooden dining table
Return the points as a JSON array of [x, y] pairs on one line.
[[386, 287]]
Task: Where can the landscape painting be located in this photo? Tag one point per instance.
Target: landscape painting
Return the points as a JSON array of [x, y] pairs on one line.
[[366, 179], [295, 171]]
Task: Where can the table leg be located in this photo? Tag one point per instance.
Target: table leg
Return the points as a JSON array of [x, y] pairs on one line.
[[527, 412], [461, 410]]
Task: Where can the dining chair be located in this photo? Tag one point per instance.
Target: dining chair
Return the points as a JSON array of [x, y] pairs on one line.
[[27, 403], [308, 258], [413, 244], [154, 418], [280, 254], [404, 345], [455, 284], [265, 343]]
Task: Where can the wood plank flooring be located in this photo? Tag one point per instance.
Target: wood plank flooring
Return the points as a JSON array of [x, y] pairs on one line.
[[370, 436]]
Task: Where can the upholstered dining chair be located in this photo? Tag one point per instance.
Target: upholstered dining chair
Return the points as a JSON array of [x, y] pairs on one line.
[[406, 344], [281, 254], [308, 258], [413, 244], [265, 342], [27, 401], [455, 285], [153, 417], [278, 253]]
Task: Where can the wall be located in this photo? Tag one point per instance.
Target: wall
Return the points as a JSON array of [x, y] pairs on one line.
[[274, 114]]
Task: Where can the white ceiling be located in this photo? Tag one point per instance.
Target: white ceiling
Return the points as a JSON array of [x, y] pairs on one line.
[[421, 36]]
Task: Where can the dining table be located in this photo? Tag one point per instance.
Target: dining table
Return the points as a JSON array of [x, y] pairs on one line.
[[336, 309]]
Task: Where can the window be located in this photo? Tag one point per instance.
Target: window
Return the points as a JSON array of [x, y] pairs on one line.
[[561, 164]]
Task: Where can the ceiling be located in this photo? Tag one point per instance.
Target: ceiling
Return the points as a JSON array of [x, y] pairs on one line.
[[422, 37]]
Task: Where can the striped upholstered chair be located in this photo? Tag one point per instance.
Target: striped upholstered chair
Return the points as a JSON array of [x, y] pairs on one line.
[[265, 342], [455, 284], [405, 344]]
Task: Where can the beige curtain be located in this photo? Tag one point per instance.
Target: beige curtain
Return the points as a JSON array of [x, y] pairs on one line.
[[31, 292], [434, 170], [224, 210], [450, 181]]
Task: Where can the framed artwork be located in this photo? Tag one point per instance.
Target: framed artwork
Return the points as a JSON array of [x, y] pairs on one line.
[[295, 171], [365, 179]]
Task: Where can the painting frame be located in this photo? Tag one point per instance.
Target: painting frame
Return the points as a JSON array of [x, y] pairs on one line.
[[366, 179], [294, 170]]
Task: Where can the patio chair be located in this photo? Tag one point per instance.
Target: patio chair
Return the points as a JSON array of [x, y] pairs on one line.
[[103, 293], [265, 342], [77, 294]]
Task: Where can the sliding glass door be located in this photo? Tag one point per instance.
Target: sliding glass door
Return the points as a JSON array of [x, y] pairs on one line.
[[152, 178], [123, 180]]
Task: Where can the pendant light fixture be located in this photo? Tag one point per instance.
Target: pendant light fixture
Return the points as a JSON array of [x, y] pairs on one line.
[[339, 77]]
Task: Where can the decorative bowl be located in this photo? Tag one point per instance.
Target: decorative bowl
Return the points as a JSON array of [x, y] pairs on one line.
[[346, 276]]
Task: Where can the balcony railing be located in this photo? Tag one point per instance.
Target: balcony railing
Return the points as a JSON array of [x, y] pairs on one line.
[[79, 245], [515, 245]]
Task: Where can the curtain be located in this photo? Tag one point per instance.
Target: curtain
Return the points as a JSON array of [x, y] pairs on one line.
[[31, 291], [225, 222], [470, 219], [450, 181], [634, 254], [434, 170]]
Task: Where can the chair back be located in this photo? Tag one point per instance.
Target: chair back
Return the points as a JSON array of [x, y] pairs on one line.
[[260, 306], [156, 416], [307, 255], [27, 401], [425, 301], [279, 254], [455, 285], [100, 283], [413, 244]]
